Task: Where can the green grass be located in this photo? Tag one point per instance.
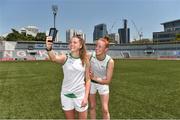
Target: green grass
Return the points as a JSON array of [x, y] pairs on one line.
[[139, 89], [30, 90]]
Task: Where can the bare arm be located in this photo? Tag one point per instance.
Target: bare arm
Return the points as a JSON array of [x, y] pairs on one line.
[[109, 74], [53, 57], [89, 56], [87, 86]]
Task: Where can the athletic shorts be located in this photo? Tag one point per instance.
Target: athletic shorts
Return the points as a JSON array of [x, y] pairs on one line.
[[102, 89], [72, 103]]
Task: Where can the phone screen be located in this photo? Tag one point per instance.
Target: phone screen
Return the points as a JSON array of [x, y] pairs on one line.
[[53, 32]]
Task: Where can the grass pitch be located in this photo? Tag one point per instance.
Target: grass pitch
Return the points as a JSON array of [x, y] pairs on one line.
[[139, 89]]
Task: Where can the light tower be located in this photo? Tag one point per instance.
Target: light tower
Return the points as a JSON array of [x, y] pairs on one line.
[[54, 9]]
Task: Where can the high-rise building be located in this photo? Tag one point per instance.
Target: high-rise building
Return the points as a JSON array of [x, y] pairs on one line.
[[72, 32], [171, 32], [99, 31], [124, 33], [114, 37]]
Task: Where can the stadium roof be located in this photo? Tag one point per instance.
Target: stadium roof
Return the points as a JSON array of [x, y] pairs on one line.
[[178, 20]]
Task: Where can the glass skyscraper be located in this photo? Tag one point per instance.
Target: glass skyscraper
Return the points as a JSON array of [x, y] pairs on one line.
[[100, 30], [124, 34]]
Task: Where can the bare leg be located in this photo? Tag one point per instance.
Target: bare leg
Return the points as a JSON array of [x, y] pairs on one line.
[[92, 99], [70, 114], [82, 115], [105, 108]]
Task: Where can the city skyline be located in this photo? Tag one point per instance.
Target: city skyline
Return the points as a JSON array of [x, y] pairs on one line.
[[85, 14]]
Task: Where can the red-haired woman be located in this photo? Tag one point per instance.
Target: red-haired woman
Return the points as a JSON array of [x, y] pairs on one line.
[[101, 72]]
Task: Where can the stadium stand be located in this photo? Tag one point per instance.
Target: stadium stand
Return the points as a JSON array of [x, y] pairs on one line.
[[9, 45], [1, 45], [36, 50]]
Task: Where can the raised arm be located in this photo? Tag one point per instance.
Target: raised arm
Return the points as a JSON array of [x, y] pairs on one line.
[[52, 56]]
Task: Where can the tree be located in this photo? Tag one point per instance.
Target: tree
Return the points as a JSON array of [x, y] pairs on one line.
[[2, 38], [40, 36], [30, 38], [16, 36]]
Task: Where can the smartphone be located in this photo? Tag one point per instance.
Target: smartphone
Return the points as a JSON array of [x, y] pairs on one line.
[[53, 33]]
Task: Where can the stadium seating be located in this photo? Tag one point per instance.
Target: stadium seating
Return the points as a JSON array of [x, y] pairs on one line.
[[36, 50]]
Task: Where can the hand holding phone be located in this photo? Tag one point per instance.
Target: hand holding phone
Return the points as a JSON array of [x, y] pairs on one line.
[[53, 33]]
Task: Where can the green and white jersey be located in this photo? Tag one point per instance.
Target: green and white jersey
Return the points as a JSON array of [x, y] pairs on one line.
[[74, 75], [99, 68]]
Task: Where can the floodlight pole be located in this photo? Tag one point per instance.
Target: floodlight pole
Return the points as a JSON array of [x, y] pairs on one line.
[[54, 20], [54, 9]]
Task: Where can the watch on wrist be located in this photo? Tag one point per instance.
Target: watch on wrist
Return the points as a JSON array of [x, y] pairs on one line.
[[49, 49]]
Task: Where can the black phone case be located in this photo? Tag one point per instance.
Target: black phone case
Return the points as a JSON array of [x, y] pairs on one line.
[[53, 33]]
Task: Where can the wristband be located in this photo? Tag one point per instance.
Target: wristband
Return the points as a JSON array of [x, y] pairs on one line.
[[49, 49]]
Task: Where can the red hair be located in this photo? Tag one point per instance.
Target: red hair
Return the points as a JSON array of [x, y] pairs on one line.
[[105, 40]]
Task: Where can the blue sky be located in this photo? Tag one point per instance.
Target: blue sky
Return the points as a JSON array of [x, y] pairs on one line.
[[84, 14]]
